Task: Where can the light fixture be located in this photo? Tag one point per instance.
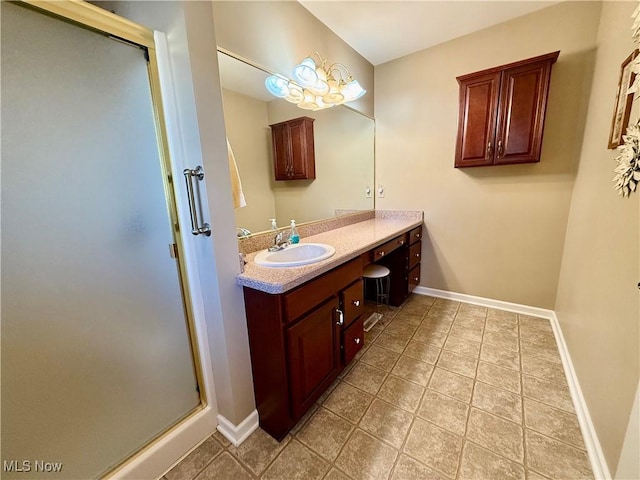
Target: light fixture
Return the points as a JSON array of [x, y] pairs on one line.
[[316, 85]]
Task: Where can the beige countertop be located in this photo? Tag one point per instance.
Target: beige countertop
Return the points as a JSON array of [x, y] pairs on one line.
[[349, 242]]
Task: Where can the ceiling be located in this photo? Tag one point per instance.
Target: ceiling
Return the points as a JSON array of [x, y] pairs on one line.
[[381, 31]]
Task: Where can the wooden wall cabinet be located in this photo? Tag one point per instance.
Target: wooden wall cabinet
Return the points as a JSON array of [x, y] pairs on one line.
[[502, 111], [293, 149]]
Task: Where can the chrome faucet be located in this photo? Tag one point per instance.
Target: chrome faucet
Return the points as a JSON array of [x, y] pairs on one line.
[[278, 243]]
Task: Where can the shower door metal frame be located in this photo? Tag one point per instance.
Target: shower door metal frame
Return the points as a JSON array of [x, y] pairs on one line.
[[86, 15]]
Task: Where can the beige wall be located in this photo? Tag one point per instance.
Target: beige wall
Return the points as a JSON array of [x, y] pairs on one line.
[[597, 302], [495, 232], [247, 125], [277, 35]]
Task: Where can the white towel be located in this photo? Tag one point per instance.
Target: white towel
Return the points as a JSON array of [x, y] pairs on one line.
[[236, 185]]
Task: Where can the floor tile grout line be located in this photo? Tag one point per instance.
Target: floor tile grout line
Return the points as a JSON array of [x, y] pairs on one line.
[[425, 388], [525, 448]]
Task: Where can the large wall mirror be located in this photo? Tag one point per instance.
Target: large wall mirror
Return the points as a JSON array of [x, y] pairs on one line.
[[344, 152]]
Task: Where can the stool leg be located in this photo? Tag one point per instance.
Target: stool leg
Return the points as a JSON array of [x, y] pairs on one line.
[[388, 290]]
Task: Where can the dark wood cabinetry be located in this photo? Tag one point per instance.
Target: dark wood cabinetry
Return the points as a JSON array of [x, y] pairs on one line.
[[502, 111], [402, 256], [313, 358], [293, 149], [300, 340]]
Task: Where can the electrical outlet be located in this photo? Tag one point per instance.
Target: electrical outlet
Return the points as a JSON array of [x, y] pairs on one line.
[[367, 192], [380, 191]]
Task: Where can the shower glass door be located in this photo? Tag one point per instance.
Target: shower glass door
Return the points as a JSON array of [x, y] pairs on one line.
[[96, 352]]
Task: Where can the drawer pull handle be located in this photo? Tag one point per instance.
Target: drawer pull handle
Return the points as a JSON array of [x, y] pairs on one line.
[[356, 302], [381, 253], [340, 321], [357, 340]]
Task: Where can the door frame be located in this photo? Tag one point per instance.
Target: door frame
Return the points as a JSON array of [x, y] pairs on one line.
[[162, 452]]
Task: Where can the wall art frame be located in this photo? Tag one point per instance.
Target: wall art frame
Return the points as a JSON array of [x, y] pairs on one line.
[[623, 102]]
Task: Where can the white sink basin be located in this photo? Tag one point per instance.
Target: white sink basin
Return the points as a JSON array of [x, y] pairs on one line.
[[295, 255]]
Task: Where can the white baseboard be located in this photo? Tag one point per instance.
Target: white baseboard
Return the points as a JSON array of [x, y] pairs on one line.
[[596, 455], [237, 434], [592, 444], [485, 302]]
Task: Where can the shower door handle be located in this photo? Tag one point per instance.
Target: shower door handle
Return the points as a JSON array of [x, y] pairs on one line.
[[196, 228]]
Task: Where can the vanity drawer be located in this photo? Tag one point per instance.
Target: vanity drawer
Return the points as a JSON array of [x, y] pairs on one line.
[[415, 253], [414, 278], [313, 293], [352, 340], [415, 235], [353, 302], [386, 248]]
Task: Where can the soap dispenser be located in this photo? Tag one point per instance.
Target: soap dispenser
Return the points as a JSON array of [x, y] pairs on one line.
[[294, 237], [274, 225]]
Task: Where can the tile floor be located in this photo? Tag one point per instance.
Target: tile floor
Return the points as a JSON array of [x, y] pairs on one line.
[[442, 390]]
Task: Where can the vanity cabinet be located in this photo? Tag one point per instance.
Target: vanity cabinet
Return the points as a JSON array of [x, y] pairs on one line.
[[293, 149], [402, 255], [300, 340], [313, 356], [501, 113]]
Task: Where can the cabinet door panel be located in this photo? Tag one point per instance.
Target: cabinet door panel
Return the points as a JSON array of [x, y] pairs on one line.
[[281, 153], [302, 148], [314, 348], [476, 120], [521, 117]]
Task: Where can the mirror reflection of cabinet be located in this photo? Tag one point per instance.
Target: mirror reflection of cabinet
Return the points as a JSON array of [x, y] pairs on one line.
[[343, 144], [293, 149]]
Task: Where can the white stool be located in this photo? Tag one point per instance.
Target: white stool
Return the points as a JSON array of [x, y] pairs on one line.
[[382, 277]]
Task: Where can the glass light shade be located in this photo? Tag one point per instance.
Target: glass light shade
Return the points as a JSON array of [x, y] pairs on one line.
[[296, 95], [321, 87], [352, 91], [322, 105], [334, 96], [305, 72], [277, 86], [309, 102], [322, 74]]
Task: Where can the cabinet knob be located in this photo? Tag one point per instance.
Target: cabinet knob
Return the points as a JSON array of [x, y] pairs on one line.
[[381, 253], [357, 340], [417, 255], [415, 279], [418, 235], [400, 242], [356, 302]]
